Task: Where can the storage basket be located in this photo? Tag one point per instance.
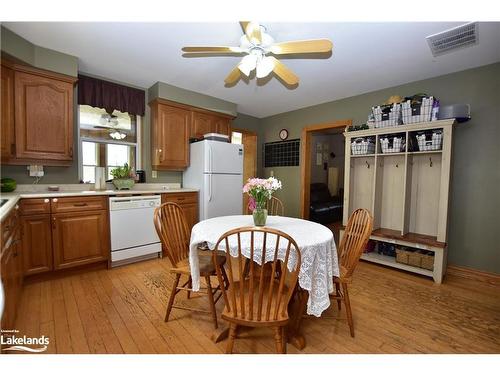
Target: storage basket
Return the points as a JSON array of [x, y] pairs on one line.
[[362, 146], [391, 144], [420, 111], [430, 141], [416, 258], [387, 115]]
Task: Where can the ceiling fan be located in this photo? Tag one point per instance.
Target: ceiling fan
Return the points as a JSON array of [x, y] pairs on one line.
[[110, 122], [259, 50]]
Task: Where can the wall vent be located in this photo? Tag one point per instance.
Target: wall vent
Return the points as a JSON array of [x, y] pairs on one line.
[[453, 39]]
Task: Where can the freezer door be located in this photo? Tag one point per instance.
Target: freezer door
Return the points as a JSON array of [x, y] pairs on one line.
[[221, 157], [222, 195]]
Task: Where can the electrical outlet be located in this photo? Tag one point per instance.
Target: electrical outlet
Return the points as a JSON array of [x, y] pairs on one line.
[[35, 170], [154, 174]]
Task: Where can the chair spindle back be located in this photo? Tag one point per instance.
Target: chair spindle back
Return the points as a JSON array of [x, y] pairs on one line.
[[356, 235], [274, 207], [172, 228], [260, 293]]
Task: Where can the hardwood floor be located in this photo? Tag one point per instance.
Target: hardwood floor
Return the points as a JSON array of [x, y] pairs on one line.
[[122, 310]]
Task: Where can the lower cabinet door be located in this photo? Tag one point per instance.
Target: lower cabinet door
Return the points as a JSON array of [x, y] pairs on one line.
[[191, 214], [37, 244], [80, 238], [7, 275]]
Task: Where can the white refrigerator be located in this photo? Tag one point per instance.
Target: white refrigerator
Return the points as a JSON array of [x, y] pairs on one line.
[[216, 169]]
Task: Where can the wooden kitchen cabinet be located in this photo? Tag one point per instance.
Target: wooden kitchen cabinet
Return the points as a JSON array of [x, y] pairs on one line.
[[37, 116], [43, 117], [223, 126], [37, 244], [65, 232], [173, 124], [170, 128], [11, 268], [203, 123], [188, 202], [7, 112], [80, 238]]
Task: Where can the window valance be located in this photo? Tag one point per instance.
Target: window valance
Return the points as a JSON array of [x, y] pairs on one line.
[[110, 96]]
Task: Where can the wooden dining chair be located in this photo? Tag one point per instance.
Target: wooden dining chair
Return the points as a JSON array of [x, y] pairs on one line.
[[172, 228], [259, 298], [274, 207], [353, 242]]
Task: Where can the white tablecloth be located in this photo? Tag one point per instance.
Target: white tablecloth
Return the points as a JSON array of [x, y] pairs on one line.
[[319, 261]]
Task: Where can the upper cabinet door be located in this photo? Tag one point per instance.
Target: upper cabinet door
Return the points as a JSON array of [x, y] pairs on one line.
[[7, 111], [223, 125], [170, 132], [202, 124], [44, 117]]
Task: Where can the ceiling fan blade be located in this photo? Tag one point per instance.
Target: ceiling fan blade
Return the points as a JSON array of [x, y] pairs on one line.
[[252, 30], [244, 25], [284, 72], [212, 49], [302, 46], [232, 77]]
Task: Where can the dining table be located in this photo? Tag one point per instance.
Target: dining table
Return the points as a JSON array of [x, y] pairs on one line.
[[319, 261]]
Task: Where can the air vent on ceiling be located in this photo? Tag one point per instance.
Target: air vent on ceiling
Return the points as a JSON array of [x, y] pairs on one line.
[[452, 39]]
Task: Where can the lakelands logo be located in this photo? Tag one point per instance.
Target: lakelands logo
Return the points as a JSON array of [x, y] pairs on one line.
[[20, 343]]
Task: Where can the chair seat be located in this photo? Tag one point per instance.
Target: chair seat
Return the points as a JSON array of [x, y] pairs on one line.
[[281, 320], [207, 267]]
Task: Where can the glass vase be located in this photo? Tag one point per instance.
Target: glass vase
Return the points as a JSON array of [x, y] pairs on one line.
[[259, 217]]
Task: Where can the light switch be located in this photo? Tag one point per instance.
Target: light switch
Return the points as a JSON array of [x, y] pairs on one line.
[[154, 174]]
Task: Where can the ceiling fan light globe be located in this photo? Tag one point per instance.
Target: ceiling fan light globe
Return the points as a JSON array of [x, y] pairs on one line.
[[248, 63], [265, 67]]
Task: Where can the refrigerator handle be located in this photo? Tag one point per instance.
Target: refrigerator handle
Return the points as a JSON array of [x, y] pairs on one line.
[[209, 159], [210, 188]]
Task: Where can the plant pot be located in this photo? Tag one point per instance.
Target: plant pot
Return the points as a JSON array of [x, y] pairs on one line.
[[124, 183], [259, 217]]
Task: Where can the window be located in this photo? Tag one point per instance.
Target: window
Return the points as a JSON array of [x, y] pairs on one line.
[[107, 140], [236, 138]]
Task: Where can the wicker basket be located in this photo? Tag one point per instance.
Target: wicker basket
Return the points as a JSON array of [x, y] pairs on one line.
[[387, 115], [415, 258], [362, 146]]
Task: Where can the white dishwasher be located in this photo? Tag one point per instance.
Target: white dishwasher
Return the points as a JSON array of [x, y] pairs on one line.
[[133, 234]]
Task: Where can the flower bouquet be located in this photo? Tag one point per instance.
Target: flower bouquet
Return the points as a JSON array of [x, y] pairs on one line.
[[260, 191]]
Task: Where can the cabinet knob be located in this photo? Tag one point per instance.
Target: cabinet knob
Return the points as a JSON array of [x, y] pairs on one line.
[[54, 200], [46, 201]]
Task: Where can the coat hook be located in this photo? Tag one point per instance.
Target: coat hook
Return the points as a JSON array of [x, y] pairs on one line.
[[367, 164], [430, 162]]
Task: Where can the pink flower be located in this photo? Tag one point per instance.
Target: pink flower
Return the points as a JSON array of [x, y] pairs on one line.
[[251, 204]]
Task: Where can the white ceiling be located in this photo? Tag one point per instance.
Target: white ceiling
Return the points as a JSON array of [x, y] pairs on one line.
[[366, 57]]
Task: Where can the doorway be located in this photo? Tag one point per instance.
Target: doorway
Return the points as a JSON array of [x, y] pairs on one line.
[[321, 156], [248, 139]]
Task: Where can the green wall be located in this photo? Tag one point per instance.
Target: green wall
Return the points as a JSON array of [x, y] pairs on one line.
[[180, 95], [475, 184], [43, 58]]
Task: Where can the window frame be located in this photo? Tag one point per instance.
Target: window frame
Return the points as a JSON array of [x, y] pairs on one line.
[[137, 145]]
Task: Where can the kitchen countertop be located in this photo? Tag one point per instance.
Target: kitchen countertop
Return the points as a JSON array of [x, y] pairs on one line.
[[71, 191]]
